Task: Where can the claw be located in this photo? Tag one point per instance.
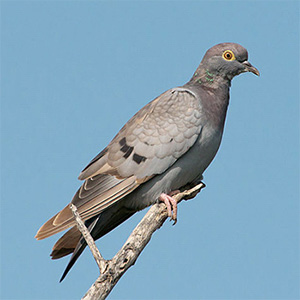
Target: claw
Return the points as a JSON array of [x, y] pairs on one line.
[[171, 204]]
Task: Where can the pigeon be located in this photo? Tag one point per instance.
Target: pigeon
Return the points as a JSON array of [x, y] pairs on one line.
[[165, 146]]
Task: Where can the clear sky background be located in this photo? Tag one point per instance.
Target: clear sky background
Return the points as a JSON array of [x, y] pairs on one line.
[[73, 72]]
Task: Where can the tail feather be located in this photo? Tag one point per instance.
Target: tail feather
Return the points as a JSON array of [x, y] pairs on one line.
[[97, 226], [66, 244], [79, 249]]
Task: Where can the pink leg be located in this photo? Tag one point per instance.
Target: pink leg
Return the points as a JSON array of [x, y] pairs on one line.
[[171, 204], [172, 193]]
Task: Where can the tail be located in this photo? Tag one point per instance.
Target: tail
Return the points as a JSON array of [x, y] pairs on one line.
[[98, 226]]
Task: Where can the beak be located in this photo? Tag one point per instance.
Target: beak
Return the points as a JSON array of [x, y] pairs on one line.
[[250, 68]]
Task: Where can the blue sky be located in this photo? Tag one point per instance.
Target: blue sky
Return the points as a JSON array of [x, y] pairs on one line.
[[73, 72]]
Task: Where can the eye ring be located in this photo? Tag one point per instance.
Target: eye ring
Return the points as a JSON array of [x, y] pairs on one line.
[[228, 55]]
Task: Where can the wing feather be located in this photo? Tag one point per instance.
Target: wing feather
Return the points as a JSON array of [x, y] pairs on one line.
[[88, 205], [150, 142]]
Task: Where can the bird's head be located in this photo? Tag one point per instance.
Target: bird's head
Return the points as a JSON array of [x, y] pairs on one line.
[[225, 60]]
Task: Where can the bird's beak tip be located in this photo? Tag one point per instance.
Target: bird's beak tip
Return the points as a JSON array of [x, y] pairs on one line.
[[250, 68]]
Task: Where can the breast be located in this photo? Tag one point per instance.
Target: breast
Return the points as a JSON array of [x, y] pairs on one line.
[[207, 146], [186, 169], [192, 165]]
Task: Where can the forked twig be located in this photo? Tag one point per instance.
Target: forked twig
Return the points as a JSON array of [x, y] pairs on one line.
[[112, 270]]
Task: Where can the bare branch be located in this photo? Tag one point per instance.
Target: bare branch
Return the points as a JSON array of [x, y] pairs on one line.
[[101, 262], [112, 270]]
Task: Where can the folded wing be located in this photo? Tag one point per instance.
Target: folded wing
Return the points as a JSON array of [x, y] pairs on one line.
[[150, 142]]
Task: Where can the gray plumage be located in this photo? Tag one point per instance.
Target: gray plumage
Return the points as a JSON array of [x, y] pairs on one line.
[[166, 145]]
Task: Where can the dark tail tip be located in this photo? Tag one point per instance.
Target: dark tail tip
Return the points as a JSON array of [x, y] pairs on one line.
[[77, 252]]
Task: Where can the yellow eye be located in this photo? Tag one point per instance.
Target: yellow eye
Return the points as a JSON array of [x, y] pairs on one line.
[[228, 55]]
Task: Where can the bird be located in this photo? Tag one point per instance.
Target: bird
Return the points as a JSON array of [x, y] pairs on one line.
[[166, 145]]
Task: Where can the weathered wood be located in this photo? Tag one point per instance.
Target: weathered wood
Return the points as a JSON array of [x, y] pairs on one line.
[[101, 262], [112, 270]]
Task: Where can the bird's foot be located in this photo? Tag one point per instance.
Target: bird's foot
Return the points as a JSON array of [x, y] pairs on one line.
[[173, 193], [171, 204]]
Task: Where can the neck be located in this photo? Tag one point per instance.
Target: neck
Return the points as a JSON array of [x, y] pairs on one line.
[[214, 94], [205, 77]]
